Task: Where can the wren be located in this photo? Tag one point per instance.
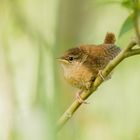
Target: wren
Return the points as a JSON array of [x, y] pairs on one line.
[[81, 65]]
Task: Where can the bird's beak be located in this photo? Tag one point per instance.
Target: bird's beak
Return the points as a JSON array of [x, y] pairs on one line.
[[62, 60]]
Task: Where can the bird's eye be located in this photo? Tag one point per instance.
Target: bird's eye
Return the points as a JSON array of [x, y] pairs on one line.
[[71, 58]]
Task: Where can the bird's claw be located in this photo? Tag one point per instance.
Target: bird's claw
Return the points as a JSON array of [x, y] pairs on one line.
[[100, 74], [80, 100]]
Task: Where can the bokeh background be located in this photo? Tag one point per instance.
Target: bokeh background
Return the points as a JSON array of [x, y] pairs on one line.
[[33, 92]]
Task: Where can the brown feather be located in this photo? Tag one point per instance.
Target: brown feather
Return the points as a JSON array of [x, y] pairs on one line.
[[109, 38]]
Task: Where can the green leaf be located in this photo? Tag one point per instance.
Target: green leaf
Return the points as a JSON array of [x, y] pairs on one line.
[[127, 25], [129, 4]]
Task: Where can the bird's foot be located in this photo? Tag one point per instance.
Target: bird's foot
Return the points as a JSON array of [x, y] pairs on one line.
[[101, 75], [80, 100], [104, 78]]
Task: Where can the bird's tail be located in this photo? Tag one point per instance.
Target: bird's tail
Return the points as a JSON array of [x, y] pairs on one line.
[[110, 38]]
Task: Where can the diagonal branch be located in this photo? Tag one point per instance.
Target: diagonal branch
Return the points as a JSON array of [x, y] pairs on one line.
[[126, 52]]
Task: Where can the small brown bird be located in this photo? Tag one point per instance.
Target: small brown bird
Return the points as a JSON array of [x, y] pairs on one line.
[[81, 65]]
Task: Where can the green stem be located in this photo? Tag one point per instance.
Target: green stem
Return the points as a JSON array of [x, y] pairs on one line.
[[136, 18]]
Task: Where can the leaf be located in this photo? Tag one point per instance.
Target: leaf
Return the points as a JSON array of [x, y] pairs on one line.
[[127, 25], [128, 4]]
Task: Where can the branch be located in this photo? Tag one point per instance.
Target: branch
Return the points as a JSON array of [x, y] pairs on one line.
[[132, 52], [126, 52], [136, 19]]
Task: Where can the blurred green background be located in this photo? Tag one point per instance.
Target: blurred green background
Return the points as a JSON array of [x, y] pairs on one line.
[[33, 92]]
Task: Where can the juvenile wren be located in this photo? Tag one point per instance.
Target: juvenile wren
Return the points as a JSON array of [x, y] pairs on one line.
[[81, 65]]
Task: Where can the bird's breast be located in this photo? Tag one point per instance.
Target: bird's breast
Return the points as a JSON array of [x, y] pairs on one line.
[[78, 75]]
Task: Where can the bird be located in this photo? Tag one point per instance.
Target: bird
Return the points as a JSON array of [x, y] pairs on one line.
[[82, 64]]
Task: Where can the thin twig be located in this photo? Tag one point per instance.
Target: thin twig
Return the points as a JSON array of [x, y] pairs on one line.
[[132, 52], [136, 19], [126, 52]]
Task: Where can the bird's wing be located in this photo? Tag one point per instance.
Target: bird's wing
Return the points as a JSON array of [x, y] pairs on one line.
[[100, 55]]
